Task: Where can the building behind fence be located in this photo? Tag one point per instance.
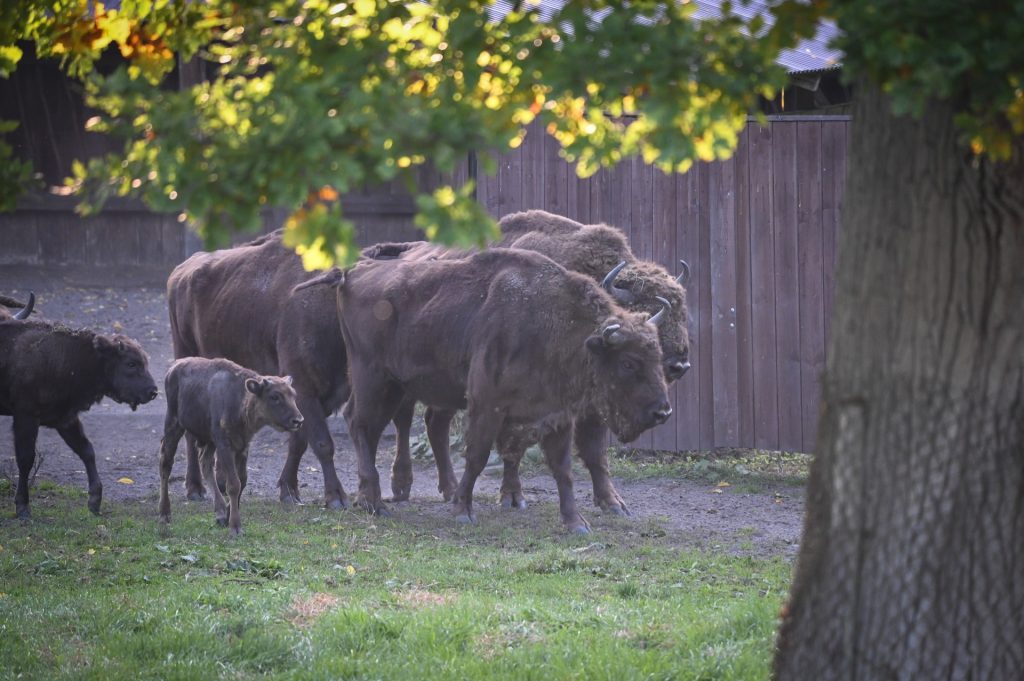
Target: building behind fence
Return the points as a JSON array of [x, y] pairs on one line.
[[758, 231]]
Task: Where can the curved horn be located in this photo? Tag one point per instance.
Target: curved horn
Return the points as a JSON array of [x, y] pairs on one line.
[[611, 334], [27, 310], [621, 296], [657, 317], [684, 277]]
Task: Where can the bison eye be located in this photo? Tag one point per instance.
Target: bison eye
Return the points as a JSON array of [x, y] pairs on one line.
[[132, 364], [627, 365], [275, 398]]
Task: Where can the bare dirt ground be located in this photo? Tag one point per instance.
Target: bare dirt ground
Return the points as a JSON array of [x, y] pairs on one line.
[[690, 513]]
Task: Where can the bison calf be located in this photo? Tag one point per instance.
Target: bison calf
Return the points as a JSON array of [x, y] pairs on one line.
[[222, 405], [49, 374]]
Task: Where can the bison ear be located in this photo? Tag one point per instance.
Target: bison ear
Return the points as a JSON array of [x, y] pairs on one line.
[[610, 336], [103, 344], [254, 385], [288, 380]]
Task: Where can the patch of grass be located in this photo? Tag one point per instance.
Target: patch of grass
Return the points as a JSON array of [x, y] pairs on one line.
[[746, 470], [311, 594]]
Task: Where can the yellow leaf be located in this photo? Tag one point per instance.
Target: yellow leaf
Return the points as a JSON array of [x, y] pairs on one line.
[[126, 481], [91, 551], [350, 570], [723, 484], [716, 491]]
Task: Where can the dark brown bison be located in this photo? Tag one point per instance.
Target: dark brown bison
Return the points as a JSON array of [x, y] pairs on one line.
[[222, 406], [49, 373], [238, 304], [25, 308], [601, 253], [516, 339]]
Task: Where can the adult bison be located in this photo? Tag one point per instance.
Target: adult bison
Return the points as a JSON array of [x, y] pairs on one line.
[[514, 338], [601, 253], [49, 374], [238, 304], [25, 308]]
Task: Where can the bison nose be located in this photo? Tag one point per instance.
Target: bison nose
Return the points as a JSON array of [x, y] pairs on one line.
[[153, 393], [661, 413], [675, 370], [296, 422]]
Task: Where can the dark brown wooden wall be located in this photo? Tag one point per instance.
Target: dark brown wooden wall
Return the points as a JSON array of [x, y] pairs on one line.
[[759, 232]]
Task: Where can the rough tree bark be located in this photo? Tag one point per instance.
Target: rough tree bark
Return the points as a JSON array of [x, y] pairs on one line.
[[912, 563]]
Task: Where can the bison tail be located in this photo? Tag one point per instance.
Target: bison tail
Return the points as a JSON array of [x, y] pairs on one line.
[[333, 277]]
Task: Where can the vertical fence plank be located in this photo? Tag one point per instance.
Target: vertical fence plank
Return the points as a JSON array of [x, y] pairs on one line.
[[688, 394], [722, 268], [510, 183], [762, 288], [706, 342], [556, 178], [811, 277], [641, 211], [744, 347], [531, 189], [664, 252], [833, 178], [787, 310]]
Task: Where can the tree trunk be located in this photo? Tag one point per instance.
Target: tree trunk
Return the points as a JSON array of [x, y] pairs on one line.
[[912, 563]]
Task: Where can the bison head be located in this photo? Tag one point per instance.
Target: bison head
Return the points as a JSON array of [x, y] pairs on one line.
[[644, 287], [275, 401], [628, 387], [126, 368]]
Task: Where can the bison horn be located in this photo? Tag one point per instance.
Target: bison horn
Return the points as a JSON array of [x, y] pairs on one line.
[[684, 277], [611, 334], [658, 316], [621, 296], [27, 310]]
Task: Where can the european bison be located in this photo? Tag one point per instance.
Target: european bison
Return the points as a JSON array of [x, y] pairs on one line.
[[23, 313], [238, 304], [49, 373], [601, 253], [222, 406], [511, 336]]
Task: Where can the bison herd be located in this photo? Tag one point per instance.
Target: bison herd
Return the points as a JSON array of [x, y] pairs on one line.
[[557, 334]]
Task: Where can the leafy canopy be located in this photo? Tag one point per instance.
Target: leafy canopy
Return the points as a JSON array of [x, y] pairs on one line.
[[307, 100]]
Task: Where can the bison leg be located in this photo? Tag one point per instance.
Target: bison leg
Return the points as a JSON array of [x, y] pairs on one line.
[[207, 458], [512, 496], [401, 469], [482, 428], [315, 433], [592, 445], [557, 448], [74, 436], [228, 461], [194, 490], [367, 413], [26, 429], [438, 430], [168, 448]]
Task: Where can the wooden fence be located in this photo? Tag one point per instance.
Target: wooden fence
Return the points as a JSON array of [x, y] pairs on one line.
[[759, 233]]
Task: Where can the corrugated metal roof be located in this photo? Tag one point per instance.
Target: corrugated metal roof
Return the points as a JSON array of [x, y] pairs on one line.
[[809, 55]]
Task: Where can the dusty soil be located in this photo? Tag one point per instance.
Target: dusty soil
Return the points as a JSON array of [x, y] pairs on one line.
[[689, 513]]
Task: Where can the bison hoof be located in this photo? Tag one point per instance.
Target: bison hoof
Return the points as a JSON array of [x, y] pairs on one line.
[[222, 521], [513, 502], [579, 529], [236, 532], [399, 496], [94, 505], [23, 513], [382, 511], [465, 519], [290, 497], [165, 519], [195, 495], [336, 504], [620, 511]]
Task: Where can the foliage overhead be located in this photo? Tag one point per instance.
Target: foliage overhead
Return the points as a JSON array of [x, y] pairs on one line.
[[306, 100]]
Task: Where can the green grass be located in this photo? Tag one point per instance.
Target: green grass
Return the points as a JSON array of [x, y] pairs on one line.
[[308, 594], [748, 470]]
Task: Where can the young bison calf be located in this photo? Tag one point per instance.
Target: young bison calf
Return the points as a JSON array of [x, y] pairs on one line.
[[222, 405]]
